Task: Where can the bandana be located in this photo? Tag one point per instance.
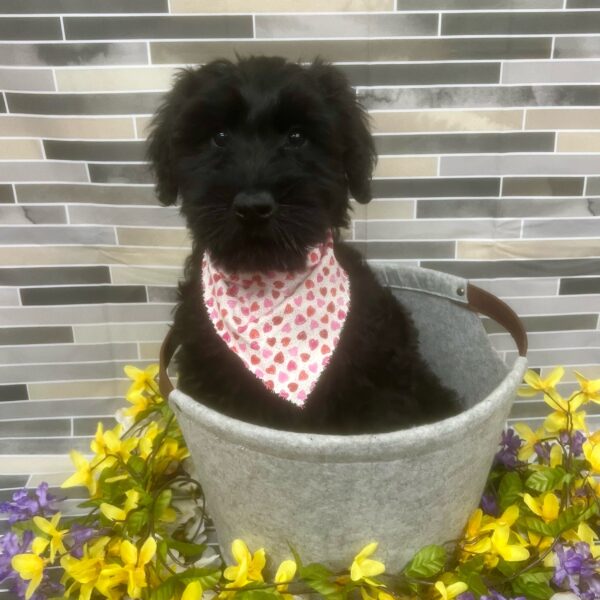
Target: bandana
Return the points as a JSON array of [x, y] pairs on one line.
[[284, 325]]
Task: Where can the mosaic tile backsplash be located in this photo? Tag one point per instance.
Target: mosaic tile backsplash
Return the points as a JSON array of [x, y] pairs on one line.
[[486, 115]]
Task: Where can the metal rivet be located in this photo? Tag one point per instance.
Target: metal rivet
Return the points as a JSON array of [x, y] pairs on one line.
[[460, 291]]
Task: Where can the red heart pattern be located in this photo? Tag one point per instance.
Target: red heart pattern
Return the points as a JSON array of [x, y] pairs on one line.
[[277, 322]]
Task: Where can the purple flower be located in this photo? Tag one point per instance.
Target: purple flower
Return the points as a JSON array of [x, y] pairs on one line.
[[26, 504], [81, 535], [577, 569], [489, 505], [509, 446], [577, 443], [11, 544], [494, 595], [543, 451], [465, 596]]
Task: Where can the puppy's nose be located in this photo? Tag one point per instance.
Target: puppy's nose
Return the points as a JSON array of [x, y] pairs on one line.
[[257, 206]]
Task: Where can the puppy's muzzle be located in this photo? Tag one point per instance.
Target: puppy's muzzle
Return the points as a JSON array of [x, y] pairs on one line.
[[255, 207]]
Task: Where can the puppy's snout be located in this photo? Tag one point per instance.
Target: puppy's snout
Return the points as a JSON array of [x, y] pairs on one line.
[[254, 207]]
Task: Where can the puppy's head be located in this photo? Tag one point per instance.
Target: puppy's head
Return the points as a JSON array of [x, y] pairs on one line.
[[263, 154]]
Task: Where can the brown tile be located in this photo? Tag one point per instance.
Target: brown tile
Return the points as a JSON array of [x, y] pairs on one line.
[[383, 209], [20, 149], [270, 6], [562, 118], [406, 166], [134, 236], [114, 79], [495, 250], [103, 388], [68, 127], [580, 141], [149, 350]]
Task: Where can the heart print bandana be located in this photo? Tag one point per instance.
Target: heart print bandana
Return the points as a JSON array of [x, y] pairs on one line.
[[284, 325]]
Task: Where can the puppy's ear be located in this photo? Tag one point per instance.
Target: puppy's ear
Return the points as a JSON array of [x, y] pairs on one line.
[[159, 151], [359, 154]]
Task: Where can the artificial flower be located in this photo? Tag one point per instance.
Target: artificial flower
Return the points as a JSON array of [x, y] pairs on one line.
[[120, 514], [86, 570], [83, 475], [591, 451], [56, 536], [476, 541], [285, 573], [547, 506], [30, 567], [509, 552], [452, 590], [590, 389], [363, 567], [530, 440], [565, 415], [535, 384], [193, 591], [249, 567]]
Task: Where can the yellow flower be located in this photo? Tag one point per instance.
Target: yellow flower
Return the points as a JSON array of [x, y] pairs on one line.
[[169, 455], [565, 414], [110, 444], [249, 567], [530, 438], [56, 536], [193, 591], [548, 508], [590, 388], [29, 567], [147, 440], [83, 475], [536, 384], [285, 574], [86, 570], [506, 519], [539, 542], [556, 455], [142, 379], [591, 451], [120, 514], [476, 541], [451, 591], [585, 534], [376, 594], [509, 552], [363, 567], [140, 403], [133, 571]]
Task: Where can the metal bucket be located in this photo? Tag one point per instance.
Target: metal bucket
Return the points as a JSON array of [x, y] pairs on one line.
[[329, 495]]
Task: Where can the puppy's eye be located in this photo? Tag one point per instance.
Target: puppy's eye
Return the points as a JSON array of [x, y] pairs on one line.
[[296, 137], [220, 139]]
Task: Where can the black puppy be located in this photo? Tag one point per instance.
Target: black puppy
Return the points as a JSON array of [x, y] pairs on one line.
[[288, 142]]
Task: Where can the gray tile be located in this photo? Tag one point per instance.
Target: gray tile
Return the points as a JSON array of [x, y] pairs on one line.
[[50, 446], [542, 186], [89, 426], [550, 323], [71, 54], [136, 216], [554, 339], [95, 151], [108, 173], [31, 215], [582, 4], [9, 296], [78, 315], [10, 336], [62, 408], [98, 103], [122, 195], [30, 28], [507, 207], [565, 357], [359, 50], [479, 97], [42, 171], [39, 80], [477, 269], [444, 229], [535, 23], [562, 228], [465, 143], [83, 6], [551, 72], [162, 294], [67, 353], [538, 408], [35, 428], [422, 73], [65, 372], [593, 186], [435, 188], [557, 305], [506, 288], [89, 294], [10, 393], [26, 276], [374, 250], [174, 27], [532, 164], [13, 481], [57, 235], [479, 5], [363, 25], [580, 285], [6, 194]]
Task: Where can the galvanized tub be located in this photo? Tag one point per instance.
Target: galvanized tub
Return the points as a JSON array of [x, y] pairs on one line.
[[329, 495]]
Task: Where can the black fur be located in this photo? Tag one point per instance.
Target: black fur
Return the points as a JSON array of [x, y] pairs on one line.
[[376, 380]]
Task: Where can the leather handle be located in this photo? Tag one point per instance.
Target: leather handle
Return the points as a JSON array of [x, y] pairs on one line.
[[479, 301]]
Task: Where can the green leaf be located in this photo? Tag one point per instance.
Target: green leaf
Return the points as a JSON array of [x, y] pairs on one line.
[[166, 590], [136, 519], [427, 562], [191, 552], [537, 526], [137, 464], [257, 595], [318, 578], [162, 502], [473, 580], [546, 479], [534, 584], [510, 489], [207, 576]]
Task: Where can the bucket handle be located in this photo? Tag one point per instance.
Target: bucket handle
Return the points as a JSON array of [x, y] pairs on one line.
[[478, 300]]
